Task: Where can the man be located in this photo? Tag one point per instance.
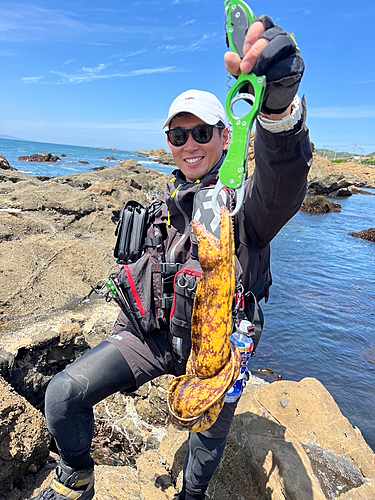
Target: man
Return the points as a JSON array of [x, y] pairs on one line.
[[198, 141]]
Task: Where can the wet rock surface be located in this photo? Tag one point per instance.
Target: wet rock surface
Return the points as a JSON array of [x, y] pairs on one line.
[[368, 235], [319, 205], [46, 157]]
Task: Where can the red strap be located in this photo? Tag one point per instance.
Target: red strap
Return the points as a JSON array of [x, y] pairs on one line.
[[134, 290]]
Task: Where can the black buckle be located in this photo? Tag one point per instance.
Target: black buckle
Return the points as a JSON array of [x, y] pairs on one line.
[[170, 267]]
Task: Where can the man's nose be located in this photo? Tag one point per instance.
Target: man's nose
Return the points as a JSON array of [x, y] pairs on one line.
[[191, 144]]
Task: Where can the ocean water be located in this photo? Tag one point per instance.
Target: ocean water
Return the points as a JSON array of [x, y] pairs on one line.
[[320, 319], [13, 149]]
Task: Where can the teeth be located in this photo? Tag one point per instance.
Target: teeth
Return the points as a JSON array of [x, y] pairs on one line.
[[193, 160]]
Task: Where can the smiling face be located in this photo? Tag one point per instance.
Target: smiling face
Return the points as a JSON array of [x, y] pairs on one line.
[[193, 159]]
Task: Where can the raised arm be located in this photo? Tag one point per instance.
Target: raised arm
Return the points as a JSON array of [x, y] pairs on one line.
[[283, 153]]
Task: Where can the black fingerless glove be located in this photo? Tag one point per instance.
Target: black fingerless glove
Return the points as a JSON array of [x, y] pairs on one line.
[[282, 64]]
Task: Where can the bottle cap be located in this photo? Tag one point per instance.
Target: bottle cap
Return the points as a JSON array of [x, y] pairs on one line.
[[244, 326]]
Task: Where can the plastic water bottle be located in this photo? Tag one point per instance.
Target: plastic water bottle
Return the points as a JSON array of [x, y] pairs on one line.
[[245, 344]]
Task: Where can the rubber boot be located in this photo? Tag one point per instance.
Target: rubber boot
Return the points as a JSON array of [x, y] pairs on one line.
[[75, 484]]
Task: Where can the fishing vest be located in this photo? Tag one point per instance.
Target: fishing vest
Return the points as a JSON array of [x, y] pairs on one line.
[[158, 296]]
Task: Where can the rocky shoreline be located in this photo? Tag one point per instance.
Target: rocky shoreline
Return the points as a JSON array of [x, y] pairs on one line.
[[57, 239], [288, 439]]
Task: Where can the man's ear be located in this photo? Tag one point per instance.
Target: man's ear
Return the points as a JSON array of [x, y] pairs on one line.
[[225, 138]]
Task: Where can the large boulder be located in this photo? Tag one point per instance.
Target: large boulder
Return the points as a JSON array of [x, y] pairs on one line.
[[4, 164], [330, 178], [24, 437], [288, 440], [60, 198], [299, 443], [11, 176]]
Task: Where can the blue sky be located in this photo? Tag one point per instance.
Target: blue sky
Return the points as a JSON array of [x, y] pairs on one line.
[[97, 73]]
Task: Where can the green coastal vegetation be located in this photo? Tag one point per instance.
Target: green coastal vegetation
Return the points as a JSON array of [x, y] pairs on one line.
[[343, 156]]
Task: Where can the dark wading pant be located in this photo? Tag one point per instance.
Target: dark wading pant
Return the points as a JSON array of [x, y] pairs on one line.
[[103, 371]]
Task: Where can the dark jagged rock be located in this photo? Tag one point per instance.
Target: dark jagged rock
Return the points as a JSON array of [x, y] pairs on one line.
[[84, 162], [342, 192], [368, 234], [46, 157], [4, 164], [110, 158], [98, 169], [6, 362], [43, 178], [319, 205], [63, 156]]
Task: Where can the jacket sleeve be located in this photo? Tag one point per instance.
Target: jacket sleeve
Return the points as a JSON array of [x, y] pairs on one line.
[[277, 188]]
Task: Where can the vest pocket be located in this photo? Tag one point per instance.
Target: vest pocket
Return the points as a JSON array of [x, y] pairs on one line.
[[138, 281]]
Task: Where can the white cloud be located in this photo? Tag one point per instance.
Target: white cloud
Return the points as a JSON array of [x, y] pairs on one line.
[[25, 22], [338, 112], [132, 54], [198, 45], [91, 74], [69, 61], [96, 70], [31, 79], [186, 23]]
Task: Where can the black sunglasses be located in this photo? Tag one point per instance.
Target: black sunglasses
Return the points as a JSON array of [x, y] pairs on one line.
[[201, 134]]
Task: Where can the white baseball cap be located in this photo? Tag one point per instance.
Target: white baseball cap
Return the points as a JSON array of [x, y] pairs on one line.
[[202, 104]]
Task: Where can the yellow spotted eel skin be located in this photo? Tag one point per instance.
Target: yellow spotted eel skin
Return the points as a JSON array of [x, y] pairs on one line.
[[196, 399]]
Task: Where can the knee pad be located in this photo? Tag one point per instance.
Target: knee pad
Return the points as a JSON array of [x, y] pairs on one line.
[[63, 395]]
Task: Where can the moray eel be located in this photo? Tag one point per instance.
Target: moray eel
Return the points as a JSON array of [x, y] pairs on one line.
[[196, 399]]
